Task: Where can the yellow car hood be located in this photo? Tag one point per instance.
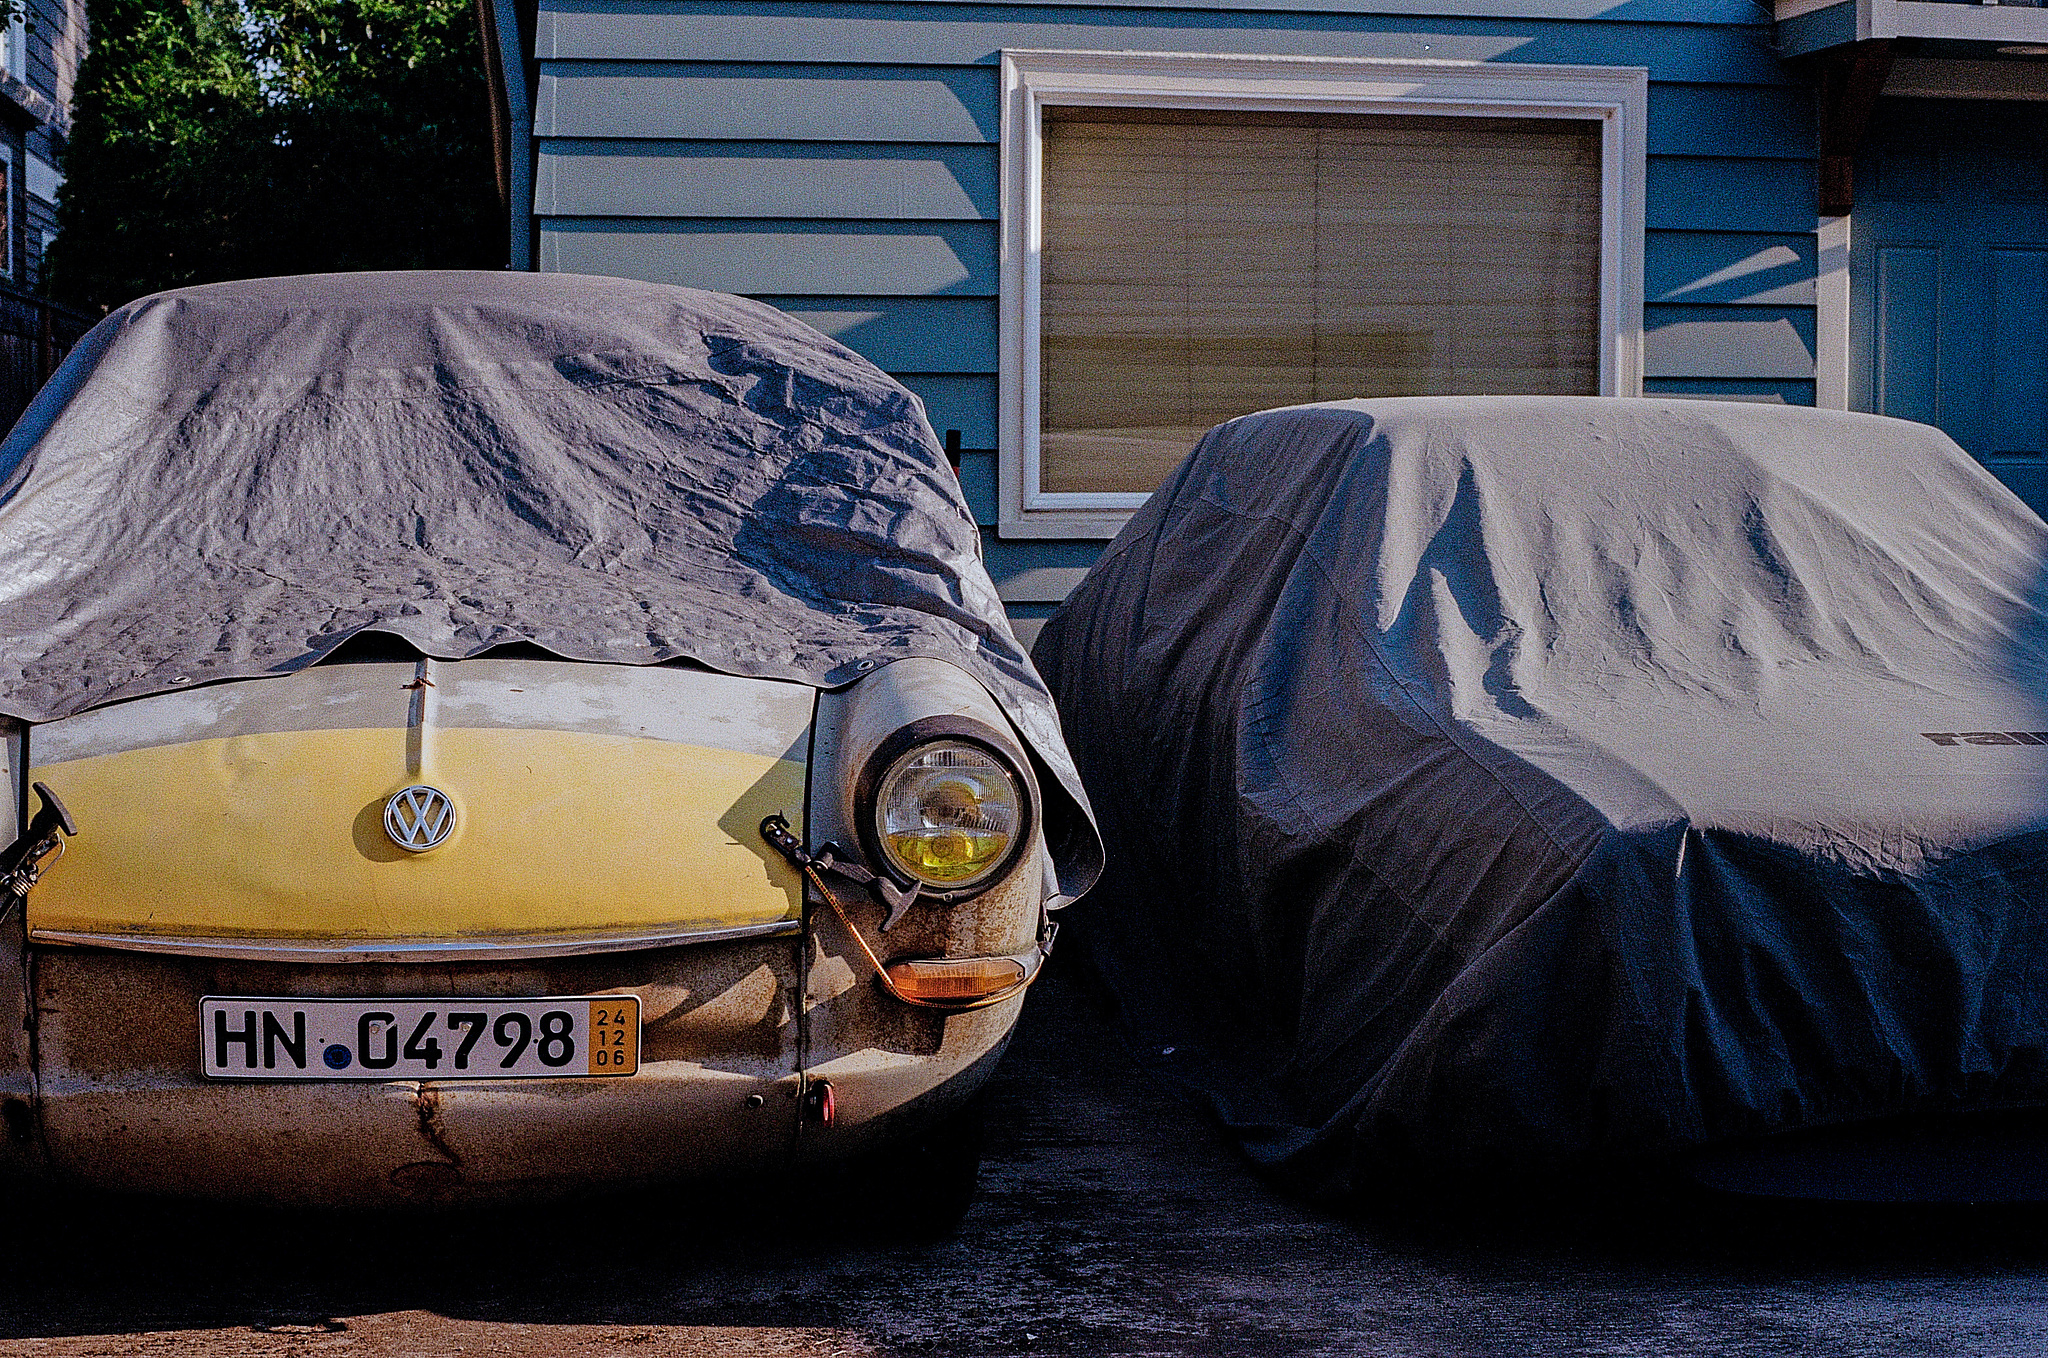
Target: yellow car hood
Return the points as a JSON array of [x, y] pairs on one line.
[[591, 801]]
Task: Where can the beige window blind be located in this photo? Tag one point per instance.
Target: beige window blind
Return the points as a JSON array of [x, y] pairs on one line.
[[1200, 265]]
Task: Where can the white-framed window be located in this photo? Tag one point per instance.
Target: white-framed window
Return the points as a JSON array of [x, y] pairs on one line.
[[14, 46], [1189, 237], [9, 186]]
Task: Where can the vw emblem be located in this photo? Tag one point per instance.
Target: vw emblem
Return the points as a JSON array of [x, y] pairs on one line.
[[419, 817]]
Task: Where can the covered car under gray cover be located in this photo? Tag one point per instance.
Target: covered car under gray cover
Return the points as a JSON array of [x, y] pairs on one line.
[[1528, 782], [230, 481]]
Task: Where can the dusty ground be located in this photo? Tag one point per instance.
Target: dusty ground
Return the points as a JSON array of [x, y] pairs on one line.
[[1111, 1223]]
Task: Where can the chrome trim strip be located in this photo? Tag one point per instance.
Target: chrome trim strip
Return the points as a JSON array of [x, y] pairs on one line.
[[425, 950]]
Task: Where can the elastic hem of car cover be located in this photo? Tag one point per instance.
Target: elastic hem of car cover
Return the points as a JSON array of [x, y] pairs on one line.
[[423, 950]]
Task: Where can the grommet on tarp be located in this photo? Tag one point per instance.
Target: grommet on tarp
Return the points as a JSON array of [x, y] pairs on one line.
[[819, 1106]]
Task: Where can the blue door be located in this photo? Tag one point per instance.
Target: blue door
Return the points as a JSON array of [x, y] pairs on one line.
[[1949, 278]]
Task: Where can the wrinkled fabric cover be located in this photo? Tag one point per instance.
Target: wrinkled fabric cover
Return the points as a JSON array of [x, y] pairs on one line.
[[1521, 783], [232, 480]]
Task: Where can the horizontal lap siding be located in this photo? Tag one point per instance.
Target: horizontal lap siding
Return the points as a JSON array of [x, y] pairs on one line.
[[878, 259], [1645, 11], [912, 35], [1729, 260], [840, 161], [915, 182], [729, 102]]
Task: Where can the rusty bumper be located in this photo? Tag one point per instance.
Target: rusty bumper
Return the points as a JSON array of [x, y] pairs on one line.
[[730, 1048]]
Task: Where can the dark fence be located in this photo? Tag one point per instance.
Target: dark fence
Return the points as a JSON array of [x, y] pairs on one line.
[[35, 334]]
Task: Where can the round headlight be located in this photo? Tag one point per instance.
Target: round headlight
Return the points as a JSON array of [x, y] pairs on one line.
[[947, 813]]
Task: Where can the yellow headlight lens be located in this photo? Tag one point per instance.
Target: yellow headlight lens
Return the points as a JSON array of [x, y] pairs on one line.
[[948, 813]]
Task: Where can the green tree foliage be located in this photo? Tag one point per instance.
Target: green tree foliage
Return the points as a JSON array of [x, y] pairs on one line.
[[219, 139]]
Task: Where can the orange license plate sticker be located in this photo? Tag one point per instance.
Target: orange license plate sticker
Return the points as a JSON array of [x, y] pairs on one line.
[[614, 1036]]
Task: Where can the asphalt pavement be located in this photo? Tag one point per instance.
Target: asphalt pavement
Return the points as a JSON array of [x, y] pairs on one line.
[[1112, 1221]]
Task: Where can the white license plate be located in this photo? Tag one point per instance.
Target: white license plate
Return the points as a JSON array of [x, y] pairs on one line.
[[252, 1038]]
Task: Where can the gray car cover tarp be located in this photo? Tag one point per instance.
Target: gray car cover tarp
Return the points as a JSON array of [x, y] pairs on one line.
[[232, 480], [1521, 783]]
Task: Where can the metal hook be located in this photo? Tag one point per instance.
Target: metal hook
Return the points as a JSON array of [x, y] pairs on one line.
[[23, 863], [775, 829], [896, 900]]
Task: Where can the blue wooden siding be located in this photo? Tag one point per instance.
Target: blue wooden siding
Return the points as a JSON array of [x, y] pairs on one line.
[[839, 160], [875, 259], [803, 35], [856, 181]]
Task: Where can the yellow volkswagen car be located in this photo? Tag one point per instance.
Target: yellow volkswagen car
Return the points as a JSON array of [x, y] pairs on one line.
[[483, 737]]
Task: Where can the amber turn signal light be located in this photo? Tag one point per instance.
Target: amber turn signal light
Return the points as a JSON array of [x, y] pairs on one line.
[[957, 981]]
